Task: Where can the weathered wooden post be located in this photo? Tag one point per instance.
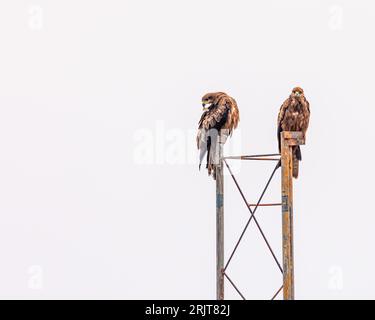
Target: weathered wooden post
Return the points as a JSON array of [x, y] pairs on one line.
[[220, 224], [288, 140]]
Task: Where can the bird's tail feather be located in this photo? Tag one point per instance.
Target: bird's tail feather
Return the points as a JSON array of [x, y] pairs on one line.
[[212, 155], [208, 151], [297, 157], [202, 145]]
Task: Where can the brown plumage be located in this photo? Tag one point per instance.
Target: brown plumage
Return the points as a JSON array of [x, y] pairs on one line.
[[219, 119], [294, 115]]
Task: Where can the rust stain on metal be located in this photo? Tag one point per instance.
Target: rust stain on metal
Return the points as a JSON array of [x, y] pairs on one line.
[[264, 204], [261, 159], [252, 156], [288, 139]]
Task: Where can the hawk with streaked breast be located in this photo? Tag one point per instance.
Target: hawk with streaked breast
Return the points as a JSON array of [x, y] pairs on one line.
[[220, 117], [294, 115]]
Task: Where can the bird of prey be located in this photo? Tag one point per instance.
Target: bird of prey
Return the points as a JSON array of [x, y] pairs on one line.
[[294, 115], [220, 117]]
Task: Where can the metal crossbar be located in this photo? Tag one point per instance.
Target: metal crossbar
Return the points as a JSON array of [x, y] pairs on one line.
[[277, 293], [284, 159], [252, 215], [234, 286]]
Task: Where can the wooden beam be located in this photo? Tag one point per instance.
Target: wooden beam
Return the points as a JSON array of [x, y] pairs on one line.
[[288, 140], [294, 138], [220, 226]]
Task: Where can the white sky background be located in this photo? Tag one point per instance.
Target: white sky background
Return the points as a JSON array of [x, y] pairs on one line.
[[84, 84]]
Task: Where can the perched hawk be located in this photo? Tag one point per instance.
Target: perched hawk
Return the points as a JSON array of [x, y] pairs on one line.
[[294, 115], [220, 116]]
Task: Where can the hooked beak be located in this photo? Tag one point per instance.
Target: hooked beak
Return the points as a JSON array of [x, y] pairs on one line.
[[204, 106]]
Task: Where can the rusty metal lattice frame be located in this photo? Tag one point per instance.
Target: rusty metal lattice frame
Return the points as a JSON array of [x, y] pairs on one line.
[[284, 160]]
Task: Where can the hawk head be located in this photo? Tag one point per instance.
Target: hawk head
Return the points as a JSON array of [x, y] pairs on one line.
[[209, 99], [297, 92]]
